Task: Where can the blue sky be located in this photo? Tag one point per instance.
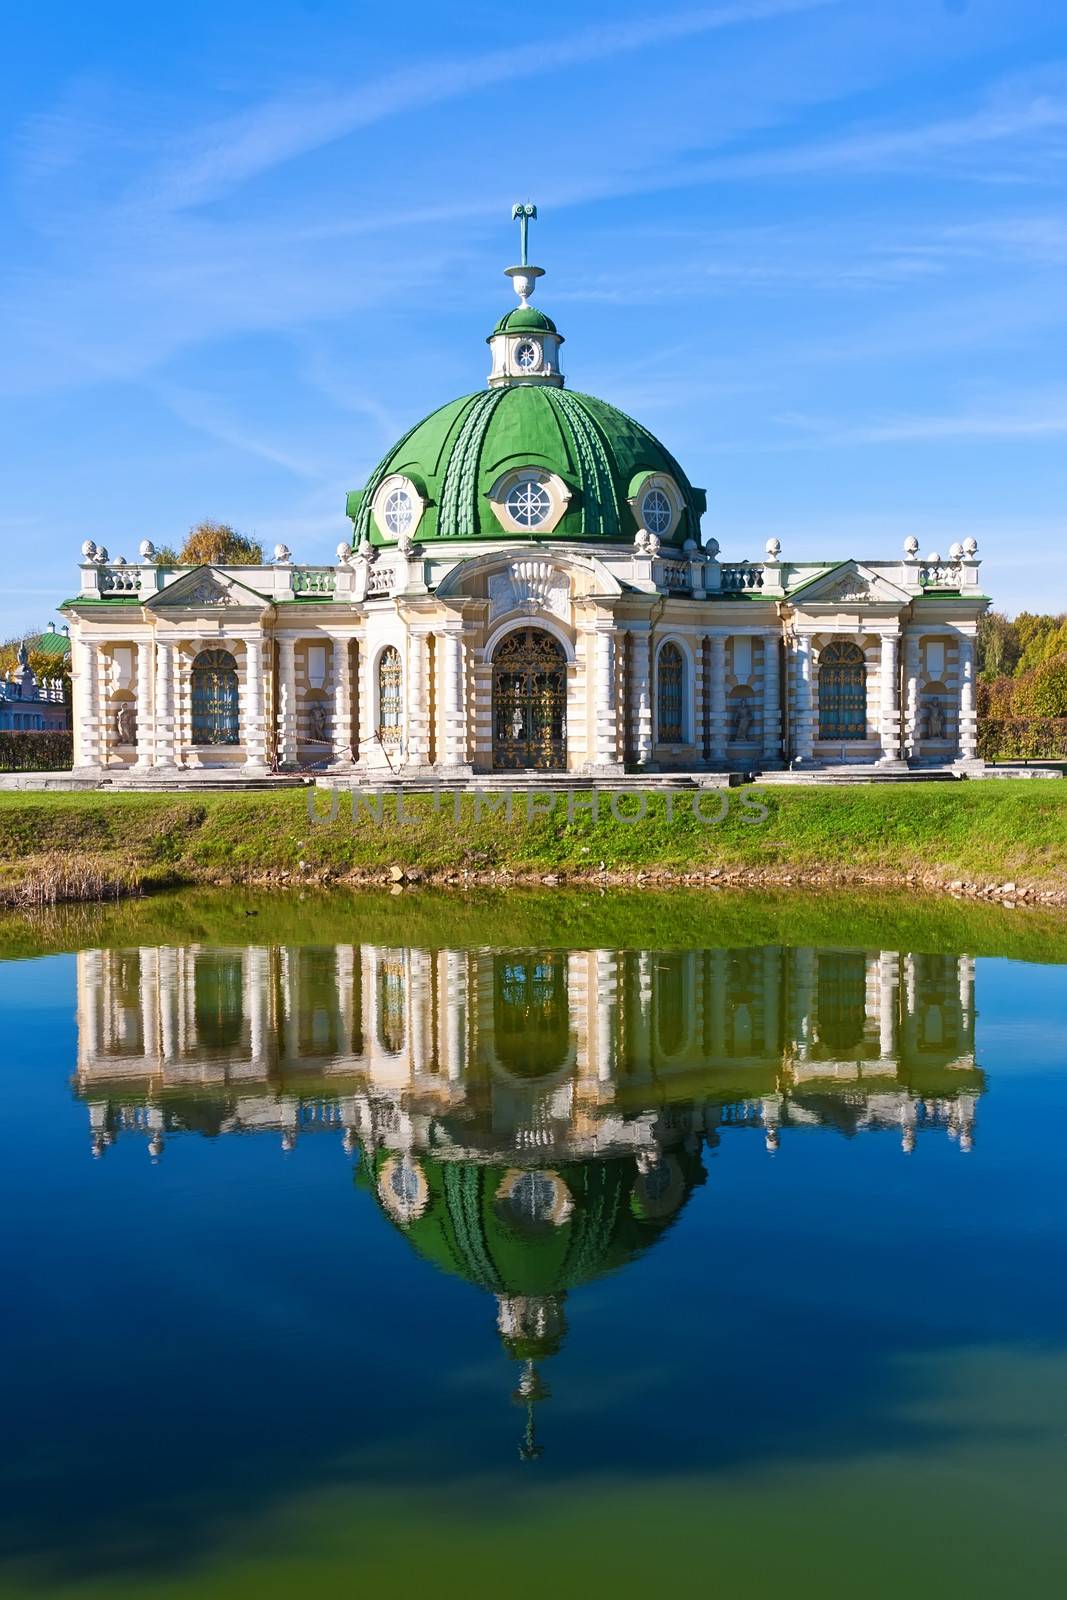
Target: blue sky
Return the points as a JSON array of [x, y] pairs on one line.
[[818, 246]]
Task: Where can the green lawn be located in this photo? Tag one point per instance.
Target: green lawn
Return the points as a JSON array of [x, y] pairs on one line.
[[975, 832]]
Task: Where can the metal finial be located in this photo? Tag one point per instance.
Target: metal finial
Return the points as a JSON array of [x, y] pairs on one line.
[[526, 214]]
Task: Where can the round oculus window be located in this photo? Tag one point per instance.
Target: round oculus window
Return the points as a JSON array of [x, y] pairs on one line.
[[528, 504], [398, 512], [526, 356], [656, 511]]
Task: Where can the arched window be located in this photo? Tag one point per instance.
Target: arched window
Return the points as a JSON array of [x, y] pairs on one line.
[[842, 691], [214, 698], [390, 696], [670, 694]]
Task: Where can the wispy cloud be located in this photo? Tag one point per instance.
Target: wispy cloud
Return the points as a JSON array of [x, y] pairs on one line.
[[1042, 418], [235, 150]]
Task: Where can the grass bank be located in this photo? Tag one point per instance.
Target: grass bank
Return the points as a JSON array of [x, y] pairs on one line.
[[975, 837], [584, 918]]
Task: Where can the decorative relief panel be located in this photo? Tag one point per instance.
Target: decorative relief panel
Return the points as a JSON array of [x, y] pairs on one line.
[[530, 586]]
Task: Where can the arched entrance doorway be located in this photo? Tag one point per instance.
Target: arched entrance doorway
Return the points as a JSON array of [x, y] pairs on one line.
[[529, 701]]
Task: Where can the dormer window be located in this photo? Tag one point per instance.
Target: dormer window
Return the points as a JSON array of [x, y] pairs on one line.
[[529, 500], [657, 513], [399, 512], [528, 504], [657, 503], [398, 506]]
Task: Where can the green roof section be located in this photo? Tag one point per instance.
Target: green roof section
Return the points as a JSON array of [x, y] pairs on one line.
[[524, 319], [51, 643], [459, 452]]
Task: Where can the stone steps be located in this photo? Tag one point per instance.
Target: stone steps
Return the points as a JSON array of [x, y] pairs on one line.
[[837, 776]]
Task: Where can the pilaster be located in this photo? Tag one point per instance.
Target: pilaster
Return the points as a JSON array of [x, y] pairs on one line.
[[717, 698], [145, 707], [772, 711]]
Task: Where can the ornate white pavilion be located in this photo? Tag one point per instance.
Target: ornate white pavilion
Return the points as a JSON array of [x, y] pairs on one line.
[[526, 587]]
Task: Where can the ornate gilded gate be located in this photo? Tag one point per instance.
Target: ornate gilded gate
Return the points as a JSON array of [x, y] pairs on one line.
[[214, 698], [529, 701]]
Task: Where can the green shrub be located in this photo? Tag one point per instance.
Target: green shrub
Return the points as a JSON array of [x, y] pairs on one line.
[[36, 751]]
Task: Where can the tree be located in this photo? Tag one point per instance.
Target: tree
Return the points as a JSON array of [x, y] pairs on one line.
[[217, 544]]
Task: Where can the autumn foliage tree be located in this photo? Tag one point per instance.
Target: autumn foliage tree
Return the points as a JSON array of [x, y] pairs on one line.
[[217, 544]]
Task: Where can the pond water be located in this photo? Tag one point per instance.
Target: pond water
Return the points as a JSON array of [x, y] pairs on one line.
[[528, 1245]]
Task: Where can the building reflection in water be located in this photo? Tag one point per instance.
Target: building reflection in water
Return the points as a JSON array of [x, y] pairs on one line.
[[528, 1119]]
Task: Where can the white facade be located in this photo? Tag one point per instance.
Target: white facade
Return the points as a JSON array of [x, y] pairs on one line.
[[664, 661]]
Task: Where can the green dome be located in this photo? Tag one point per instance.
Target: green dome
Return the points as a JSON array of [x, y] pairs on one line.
[[524, 319], [470, 1231], [456, 455]]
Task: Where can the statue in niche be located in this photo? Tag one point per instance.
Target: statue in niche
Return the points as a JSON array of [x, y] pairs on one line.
[[935, 720], [126, 723], [318, 722], [743, 721]]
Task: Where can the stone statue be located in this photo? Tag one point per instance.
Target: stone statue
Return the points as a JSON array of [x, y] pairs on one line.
[[126, 723], [318, 722], [743, 721], [935, 720]]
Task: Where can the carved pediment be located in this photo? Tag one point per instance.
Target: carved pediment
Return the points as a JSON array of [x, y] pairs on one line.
[[849, 585], [206, 589], [530, 586]]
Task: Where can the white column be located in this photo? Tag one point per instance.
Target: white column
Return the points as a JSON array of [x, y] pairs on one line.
[[455, 711], [889, 717], [87, 704], [912, 736], [254, 733], [145, 708], [968, 721], [342, 702], [165, 753], [641, 695], [802, 702], [456, 1001], [717, 699], [888, 977], [607, 986], [257, 972], [287, 753], [772, 711], [418, 700], [605, 727]]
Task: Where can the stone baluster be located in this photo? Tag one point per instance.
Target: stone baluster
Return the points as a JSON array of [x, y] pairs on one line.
[[418, 700], [889, 709], [165, 730], [717, 699], [912, 734], [772, 712], [455, 719], [342, 702], [968, 748], [605, 734], [87, 697], [803, 745], [641, 695], [287, 746], [254, 733], [145, 721]]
